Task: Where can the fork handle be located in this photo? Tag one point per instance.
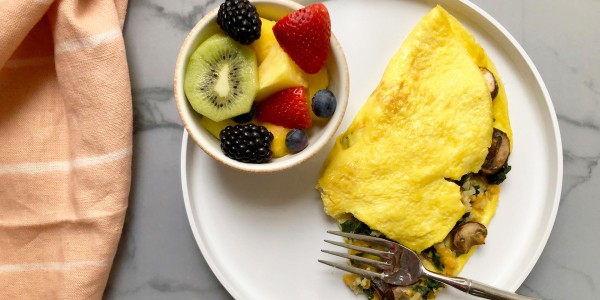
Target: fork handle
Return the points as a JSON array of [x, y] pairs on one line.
[[476, 288]]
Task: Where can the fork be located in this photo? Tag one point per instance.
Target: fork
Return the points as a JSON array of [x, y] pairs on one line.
[[401, 266]]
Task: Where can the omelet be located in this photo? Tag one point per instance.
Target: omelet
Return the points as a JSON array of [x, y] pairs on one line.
[[410, 164]]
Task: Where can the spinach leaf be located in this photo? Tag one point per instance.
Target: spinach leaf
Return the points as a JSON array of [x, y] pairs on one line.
[[462, 219], [353, 225], [436, 258], [427, 287], [500, 176]]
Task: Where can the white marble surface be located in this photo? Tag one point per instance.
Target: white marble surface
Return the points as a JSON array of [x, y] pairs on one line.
[[158, 257]]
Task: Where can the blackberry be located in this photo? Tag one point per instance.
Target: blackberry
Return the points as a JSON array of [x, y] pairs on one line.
[[240, 20], [247, 143]]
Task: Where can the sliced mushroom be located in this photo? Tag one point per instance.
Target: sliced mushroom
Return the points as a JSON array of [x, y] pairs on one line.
[[383, 289], [467, 235], [497, 153], [490, 79]]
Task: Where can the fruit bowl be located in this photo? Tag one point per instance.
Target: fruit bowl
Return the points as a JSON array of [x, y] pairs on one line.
[[318, 135]]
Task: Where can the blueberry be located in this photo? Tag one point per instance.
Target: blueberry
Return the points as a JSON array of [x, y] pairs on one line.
[[247, 117], [324, 103], [296, 140]]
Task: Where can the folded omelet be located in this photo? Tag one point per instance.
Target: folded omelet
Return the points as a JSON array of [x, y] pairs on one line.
[[400, 167]]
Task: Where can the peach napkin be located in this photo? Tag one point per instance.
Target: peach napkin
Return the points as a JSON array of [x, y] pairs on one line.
[[65, 146]]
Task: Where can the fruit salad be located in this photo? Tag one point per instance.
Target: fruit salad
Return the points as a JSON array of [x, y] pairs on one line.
[[261, 85]]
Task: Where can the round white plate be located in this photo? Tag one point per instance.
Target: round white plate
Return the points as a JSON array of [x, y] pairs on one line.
[[261, 234]]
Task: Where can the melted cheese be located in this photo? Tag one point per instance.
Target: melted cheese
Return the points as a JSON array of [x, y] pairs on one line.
[[429, 120]]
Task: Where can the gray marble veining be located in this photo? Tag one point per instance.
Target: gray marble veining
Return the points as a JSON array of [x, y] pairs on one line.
[[158, 257]]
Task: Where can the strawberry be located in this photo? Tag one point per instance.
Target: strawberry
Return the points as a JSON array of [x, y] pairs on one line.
[[304, 35], [287, 108]]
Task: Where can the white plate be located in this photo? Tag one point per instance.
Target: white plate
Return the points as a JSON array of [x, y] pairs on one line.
[[261, 234]]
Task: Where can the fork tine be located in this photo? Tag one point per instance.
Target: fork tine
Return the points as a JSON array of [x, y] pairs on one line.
[[355, 270], [373, 263], [379, 253], [362, 237]]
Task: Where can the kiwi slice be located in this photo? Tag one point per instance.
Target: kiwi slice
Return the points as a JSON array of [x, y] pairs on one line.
[[221, 78]]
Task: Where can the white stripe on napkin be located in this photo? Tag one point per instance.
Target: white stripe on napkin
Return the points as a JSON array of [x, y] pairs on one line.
[[55, 166], [54, 266], [88, 42]]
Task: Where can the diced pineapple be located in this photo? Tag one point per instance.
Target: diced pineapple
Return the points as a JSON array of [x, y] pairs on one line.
[[316, 82], [215, 127], [278, 72], [263, 45], [278, 145]]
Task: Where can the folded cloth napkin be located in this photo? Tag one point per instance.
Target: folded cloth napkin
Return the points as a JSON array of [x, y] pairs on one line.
[[65, 146]]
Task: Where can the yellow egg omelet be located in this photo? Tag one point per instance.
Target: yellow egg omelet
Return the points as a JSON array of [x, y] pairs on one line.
[[428, 123]]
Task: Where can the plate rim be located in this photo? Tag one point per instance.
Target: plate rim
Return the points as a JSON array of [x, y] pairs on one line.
[[185, 147]]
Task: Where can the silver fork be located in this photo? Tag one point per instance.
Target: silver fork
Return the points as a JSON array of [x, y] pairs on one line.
[[401, 266]]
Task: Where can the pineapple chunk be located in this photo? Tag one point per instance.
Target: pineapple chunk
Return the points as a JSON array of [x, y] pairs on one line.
[[278, 145], [278, 72], [263, 45], [316, 82], [215, 127]]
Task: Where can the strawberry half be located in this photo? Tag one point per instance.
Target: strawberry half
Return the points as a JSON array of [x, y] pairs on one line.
[[304, 35], [287, 108]]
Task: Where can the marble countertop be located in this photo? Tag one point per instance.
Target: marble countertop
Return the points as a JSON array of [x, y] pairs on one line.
[[158, 257]]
